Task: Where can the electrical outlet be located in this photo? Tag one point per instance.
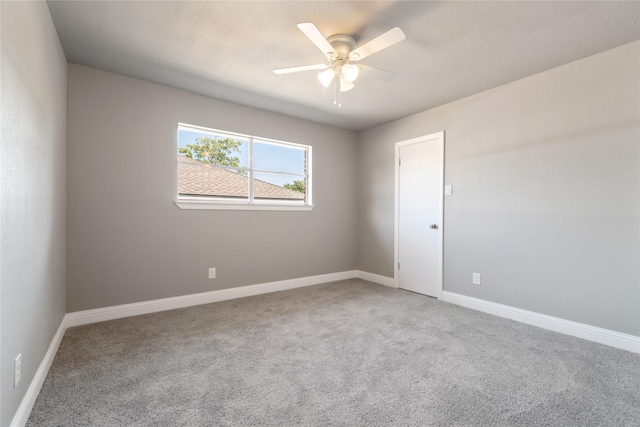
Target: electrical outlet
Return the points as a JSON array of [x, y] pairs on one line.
[[476, 278], [212, 273], [17, 370]]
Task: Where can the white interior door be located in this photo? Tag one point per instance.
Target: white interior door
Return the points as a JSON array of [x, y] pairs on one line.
[[419, 214]]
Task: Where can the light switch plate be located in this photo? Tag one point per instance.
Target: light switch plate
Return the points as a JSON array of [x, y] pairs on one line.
[[448, 190]]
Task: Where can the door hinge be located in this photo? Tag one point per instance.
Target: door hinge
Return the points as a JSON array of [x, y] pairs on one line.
[[398, 266], [399, 162]]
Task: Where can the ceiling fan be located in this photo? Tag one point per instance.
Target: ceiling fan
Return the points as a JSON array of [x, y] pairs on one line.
[[343, 56]]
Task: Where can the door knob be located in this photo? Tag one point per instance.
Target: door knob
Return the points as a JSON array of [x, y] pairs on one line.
[[434, 226]]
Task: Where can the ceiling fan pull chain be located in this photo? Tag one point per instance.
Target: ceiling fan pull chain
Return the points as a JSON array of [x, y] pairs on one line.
[[338, 92]]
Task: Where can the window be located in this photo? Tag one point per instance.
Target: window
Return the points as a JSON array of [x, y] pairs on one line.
[[224, 170]]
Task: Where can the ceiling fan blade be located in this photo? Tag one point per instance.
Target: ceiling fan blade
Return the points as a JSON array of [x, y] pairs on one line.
[[301, 68], [377, 73], [314, 34], [383, 41]]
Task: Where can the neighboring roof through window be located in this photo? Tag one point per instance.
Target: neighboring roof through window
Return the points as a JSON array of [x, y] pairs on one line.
[[201, 179]]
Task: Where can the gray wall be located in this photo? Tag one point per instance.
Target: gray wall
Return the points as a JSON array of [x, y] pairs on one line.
[[546, 186], [32, 198], [129, 242]]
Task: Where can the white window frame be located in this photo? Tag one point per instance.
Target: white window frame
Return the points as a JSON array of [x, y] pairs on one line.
[[195, 202]]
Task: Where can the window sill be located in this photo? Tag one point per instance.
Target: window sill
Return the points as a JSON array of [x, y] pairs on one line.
[[206, 205]]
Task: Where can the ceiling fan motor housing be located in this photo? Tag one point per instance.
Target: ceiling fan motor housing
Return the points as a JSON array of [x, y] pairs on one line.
[[343, 45]]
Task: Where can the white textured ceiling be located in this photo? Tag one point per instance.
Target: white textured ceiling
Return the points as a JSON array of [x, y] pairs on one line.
[[228, 49]]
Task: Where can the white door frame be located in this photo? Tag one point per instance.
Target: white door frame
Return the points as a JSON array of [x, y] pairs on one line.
[[440, 137]]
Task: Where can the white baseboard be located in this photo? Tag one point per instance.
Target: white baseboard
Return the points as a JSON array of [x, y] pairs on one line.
[[145, 307], [376, 278], [580, 330], [24, 410]]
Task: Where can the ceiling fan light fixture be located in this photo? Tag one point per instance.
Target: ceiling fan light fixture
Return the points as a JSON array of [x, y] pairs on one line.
[[350, 72], [326, 77], [339, 50], [345, 85]]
